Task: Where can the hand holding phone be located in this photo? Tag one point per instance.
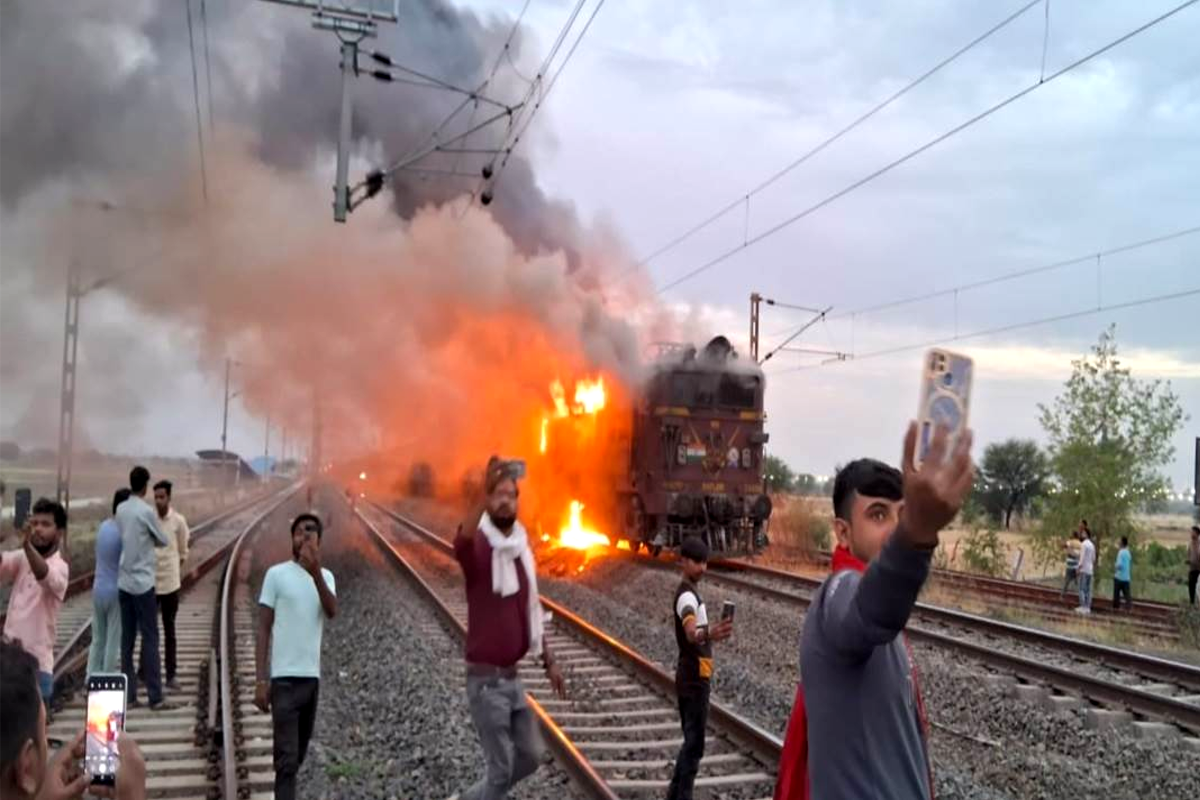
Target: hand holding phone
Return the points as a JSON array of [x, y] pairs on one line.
[[727, 609], [105, 726]]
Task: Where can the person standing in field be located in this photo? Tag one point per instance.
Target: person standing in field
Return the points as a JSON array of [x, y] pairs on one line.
[[1193, 559], [169, 565], [1123, 575], [105, 652], [297, 596], [1087, 570], [1071, 546]]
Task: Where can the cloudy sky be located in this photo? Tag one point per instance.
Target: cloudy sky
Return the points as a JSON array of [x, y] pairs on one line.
[[669, 112]]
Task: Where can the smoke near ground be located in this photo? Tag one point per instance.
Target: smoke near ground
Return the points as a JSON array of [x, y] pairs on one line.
[[424, 323]]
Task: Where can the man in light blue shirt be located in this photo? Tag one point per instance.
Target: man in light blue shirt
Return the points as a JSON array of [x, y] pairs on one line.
[[106, 607], [140, 534], [296, 598], [1122, 575]]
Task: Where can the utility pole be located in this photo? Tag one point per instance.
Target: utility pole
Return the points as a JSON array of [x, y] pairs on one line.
[[267, 451], [755, 299], [66, 415]]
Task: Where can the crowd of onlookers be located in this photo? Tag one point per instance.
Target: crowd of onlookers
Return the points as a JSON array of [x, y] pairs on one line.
[[1080, 549]]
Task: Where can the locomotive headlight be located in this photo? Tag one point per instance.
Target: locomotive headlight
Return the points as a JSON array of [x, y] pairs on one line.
[[746, 463], [681, 454]]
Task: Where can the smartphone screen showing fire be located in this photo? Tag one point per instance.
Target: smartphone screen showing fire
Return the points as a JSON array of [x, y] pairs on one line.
[[105, 722]]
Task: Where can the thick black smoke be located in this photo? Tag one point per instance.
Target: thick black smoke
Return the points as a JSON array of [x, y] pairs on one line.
[[95, 88]]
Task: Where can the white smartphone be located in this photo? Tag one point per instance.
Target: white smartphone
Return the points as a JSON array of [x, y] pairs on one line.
[[945, 397], [105, 724]]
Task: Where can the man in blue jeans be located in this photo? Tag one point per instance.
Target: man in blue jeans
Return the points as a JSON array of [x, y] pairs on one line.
[[140, 534], [105, 653]]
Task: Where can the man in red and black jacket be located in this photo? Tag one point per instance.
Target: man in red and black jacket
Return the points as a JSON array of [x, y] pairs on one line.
[[504, 622]]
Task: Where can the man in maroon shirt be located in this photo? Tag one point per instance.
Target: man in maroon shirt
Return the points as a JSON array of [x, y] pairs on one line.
[[504, 622]]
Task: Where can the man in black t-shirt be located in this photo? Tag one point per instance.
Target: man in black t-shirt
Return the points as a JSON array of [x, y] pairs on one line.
[[695, 636]]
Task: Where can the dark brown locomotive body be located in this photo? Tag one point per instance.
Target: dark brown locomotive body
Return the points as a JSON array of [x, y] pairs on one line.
[[696, 453]]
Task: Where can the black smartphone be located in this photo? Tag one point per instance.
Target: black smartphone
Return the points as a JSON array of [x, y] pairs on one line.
[[727, 609], [105, 724], [22, 502]]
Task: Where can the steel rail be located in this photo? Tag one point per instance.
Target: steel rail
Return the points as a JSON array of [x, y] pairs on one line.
[[1184, 674], [574, 761], [1185, 715], [747, 734], [225, 644], [66, 664]]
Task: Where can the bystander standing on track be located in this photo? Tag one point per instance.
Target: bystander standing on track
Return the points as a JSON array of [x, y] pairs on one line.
[[27, 770], [504, 622], [104, 655], [1087, 570], [1193, 560], [296, 598], [1123, 575], [693, 671], [140, 536], [169, 564], [39, 575], [859, 727], [1071, 576]]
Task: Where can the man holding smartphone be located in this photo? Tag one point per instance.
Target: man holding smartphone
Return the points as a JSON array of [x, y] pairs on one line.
[[39, 575], [504, 622], [297, 596], [693, 672]]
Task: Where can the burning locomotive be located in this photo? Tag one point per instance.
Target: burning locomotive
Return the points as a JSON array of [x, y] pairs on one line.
[[695, 463]]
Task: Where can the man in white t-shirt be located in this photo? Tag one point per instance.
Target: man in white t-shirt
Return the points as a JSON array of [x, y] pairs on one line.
[[296, 598], [1087, 570]]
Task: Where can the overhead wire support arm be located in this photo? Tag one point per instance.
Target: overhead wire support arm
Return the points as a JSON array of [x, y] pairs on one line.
[[426, 81], [820, 316]]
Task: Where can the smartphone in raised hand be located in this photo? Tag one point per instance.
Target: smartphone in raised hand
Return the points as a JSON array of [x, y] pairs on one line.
[[105, 725], [945, 398], [727, 609]]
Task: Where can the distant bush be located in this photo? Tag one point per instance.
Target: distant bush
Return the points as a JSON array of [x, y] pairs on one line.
[[982, 551]]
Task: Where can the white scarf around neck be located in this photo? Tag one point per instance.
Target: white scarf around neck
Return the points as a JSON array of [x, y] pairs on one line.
[[505, 583]]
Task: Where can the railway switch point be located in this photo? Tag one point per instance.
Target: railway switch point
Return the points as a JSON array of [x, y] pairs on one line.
[[1143, 729], [1106, 718]]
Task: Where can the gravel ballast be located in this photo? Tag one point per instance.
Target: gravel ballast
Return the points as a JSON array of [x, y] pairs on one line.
[[985, 744], [392, 720]]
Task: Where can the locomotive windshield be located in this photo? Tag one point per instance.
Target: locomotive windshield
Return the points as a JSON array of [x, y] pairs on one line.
[[712, 389]]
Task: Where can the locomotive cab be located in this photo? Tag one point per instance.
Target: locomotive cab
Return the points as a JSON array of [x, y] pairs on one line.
[[697, 453]]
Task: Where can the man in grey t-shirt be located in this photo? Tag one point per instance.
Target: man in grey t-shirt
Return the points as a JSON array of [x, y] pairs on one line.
[[140, 534], [864, 711]]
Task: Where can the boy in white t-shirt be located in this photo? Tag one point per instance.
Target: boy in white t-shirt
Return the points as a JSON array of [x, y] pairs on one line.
[[296, 598]]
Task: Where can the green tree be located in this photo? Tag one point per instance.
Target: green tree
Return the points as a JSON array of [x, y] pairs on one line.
[[1110, 434], [806, 484], [1011, 476], [778, 475]]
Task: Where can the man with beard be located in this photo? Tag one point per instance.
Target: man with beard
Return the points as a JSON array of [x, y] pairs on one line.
[[39, 575], [296, 598], [859, 727], [170, 561], [504, 622], [140, 536]]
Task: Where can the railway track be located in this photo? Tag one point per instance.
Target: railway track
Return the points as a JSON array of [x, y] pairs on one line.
[[1144, 615], [1156, 696], [183, 746], [617, 733]]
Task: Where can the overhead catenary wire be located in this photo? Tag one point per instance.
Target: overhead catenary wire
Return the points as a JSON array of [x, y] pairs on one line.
[[1004, 277], [744, 198], [1087, 312], [196, 98], [886, 168], [207, 65]]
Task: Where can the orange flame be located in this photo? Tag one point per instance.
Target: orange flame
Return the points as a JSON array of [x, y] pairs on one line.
[[576, 536], [542, 442], [589, 396]]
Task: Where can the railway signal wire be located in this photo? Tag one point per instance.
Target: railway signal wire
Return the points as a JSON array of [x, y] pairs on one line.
[[888, 167]]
